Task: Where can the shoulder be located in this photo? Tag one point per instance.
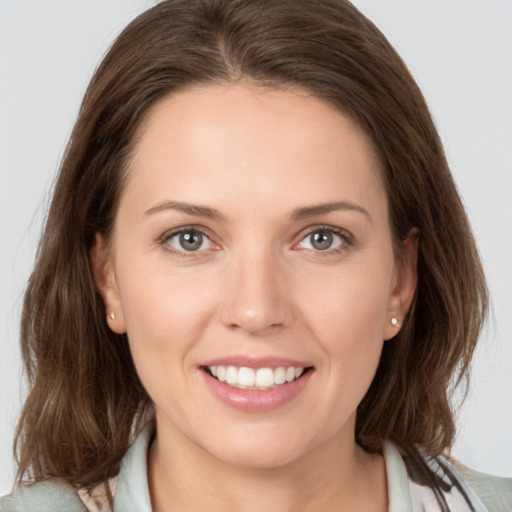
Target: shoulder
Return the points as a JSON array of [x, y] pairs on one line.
[[47, 496], [418, 481], [131, 493], [495, 492]]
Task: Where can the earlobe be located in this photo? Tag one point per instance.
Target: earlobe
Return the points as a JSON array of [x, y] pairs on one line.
[[405, 285], [105, 279]]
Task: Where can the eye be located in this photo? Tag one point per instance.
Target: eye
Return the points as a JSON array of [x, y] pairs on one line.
[[324, 239], [188, 240]]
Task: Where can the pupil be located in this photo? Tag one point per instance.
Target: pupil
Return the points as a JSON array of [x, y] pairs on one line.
[[191, 241], [322, 240]]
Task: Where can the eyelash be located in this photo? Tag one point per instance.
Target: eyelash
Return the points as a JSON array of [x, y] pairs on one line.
[[346, 237], [164, 239], [346, 240]]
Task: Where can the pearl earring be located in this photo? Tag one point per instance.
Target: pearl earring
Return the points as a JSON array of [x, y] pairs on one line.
[[112, 315], [394, 322]]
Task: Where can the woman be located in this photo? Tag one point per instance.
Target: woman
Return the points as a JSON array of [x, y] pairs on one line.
[[267, 278]]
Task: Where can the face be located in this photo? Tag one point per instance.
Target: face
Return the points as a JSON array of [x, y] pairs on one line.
[[252, 268]]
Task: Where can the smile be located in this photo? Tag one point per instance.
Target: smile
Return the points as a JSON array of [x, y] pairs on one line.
[[258, 379]]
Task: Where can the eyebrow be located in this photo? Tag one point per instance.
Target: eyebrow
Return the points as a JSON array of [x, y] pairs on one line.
[[296, 214], [191, 209], [319, 209]]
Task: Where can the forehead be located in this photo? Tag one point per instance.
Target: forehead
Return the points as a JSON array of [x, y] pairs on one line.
[[239, 142]]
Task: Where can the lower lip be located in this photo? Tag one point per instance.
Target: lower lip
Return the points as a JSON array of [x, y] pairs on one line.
[[255, 400]]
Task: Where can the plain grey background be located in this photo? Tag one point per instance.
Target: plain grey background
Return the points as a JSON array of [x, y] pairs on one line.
[[460, 52]]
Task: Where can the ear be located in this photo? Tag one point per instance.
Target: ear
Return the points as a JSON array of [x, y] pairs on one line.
[[404, 286], [106, 282]]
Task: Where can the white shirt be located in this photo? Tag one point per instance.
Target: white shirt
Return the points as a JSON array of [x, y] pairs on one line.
[[405, 490]]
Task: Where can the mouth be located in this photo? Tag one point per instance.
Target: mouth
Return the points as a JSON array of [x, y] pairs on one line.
[[260, 379]]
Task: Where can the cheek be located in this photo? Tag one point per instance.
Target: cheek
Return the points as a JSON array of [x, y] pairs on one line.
[[165, 311], [348, 303], [346, 315]]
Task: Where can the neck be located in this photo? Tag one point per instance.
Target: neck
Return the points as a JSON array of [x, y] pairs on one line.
[[335, 477]]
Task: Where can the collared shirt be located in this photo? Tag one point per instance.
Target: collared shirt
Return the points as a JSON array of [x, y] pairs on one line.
[[409, 487]]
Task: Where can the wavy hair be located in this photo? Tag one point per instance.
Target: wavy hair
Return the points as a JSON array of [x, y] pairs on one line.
[[85, 397]]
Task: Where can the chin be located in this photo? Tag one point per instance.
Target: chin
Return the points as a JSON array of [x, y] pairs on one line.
[[261, 452], [257, 458]]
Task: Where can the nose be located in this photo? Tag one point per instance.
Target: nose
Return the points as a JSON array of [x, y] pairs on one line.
[[257, 297]]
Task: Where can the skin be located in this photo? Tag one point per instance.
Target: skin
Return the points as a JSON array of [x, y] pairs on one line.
[[258, 287]]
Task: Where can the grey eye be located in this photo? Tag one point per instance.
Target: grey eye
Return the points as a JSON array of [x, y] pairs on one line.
[[322, 240], [189, 241]]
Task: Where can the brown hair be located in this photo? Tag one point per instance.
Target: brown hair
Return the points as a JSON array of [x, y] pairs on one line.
[[78, 418]]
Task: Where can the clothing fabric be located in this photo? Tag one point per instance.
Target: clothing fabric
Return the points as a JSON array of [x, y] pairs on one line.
[[410, 487]]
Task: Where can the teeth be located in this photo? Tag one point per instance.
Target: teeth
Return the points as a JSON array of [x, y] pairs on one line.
[[231, 375], [221, 373], [280, 375], [265, 378], [246, 377], [262, 378]]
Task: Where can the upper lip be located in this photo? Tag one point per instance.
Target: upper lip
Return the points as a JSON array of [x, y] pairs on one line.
[[256, 362]]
